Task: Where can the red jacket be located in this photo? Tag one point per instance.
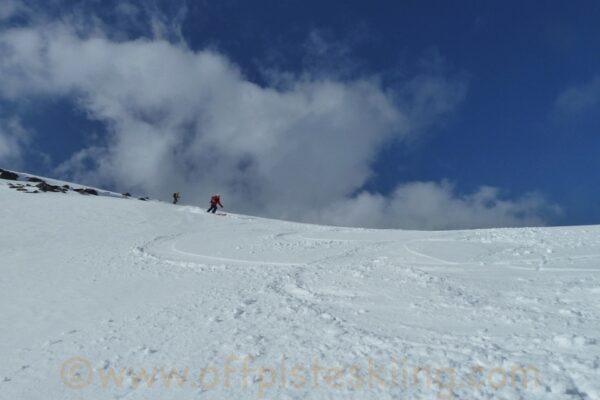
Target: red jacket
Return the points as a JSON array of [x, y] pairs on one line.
[[215, 200]]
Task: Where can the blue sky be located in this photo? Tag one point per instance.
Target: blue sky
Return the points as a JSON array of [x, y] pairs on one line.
[[487, 94]]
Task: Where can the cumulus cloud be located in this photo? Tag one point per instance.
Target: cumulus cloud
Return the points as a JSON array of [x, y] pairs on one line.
[[432, 205], [13, 140], [11, 8], [178, 119]]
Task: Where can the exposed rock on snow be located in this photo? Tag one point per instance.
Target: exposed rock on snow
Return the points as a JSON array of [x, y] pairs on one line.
[[45, 187], [8, 175], [87, 191], [34, 179]]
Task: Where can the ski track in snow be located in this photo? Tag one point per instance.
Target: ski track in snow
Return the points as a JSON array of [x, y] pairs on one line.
[[124, 284]]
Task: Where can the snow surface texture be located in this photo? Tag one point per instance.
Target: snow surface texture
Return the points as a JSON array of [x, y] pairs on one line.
[[110, 298]]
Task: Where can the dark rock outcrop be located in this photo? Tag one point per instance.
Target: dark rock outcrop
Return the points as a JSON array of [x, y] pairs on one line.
[[34, 179], [86, 191], [11, 176], [45, 187]]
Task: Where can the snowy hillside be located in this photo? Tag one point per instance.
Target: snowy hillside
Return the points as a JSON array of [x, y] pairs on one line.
[[113, 298]]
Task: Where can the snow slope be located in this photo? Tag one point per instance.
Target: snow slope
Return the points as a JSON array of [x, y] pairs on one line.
[[110, 298]]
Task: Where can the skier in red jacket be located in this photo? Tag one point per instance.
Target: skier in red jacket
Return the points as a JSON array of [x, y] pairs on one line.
[[214, 202]]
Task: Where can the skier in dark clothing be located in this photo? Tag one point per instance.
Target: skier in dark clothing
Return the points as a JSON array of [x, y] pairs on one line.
[[214, 202], [176, 197]]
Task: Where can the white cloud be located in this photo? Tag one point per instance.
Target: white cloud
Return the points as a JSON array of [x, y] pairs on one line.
[[579, 99], [189, 121], [431, 205], [13, 139], [10, 8]]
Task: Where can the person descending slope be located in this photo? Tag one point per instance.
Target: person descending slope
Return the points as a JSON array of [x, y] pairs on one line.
[[176, 197], [214, 202]]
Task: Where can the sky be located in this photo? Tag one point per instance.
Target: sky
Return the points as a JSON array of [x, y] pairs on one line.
[[398, 114]]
